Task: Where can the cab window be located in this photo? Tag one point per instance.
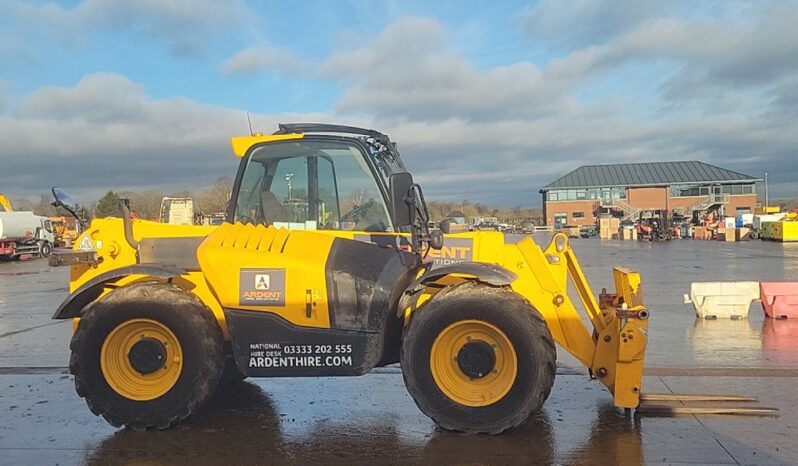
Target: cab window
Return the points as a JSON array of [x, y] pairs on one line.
[[311, 185]]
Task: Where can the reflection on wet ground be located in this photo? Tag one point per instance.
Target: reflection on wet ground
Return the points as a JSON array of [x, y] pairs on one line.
[[246, 418], [371, 419]]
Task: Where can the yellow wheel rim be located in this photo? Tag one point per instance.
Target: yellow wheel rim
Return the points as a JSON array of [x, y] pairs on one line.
[[457, 385], [120, 374]]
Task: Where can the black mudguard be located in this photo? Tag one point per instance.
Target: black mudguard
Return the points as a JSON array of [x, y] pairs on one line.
[[490, 274], [73, 305]]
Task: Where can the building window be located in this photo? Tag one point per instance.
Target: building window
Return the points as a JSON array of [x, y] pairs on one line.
[[682, 190], [578, 215], [742, 210], [738, 189], [685, 190], [584, 194]]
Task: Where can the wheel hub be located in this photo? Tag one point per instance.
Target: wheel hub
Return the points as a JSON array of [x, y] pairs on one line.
[[141, 359], [476, 359], [473, 362], [147, 355]]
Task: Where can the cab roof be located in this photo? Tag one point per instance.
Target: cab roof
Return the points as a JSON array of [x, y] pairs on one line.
[[287, 131]]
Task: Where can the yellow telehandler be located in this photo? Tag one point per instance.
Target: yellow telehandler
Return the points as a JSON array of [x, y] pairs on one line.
[[5, 204], [327, 266]]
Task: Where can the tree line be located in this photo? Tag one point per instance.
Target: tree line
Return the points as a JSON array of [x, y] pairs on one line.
[[438, 210], [147, 205]]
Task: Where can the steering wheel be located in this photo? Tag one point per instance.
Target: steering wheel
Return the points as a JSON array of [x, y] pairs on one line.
[[355, 214], [243, 218]]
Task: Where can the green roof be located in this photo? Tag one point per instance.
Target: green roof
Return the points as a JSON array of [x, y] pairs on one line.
[[647, 174]]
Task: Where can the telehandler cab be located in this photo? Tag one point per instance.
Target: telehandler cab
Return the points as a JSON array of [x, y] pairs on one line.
[[327, 266]]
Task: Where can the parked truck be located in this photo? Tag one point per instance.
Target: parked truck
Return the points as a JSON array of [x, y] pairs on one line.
[[24, 233], [177, 210]]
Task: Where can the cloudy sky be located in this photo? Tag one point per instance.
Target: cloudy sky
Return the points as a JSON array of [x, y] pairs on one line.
[[488, 100]]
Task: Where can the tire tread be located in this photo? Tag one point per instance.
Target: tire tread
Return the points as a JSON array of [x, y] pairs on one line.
[[202, 322]]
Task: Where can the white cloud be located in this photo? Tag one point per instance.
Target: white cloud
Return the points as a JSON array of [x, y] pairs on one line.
[[706, 52], [407, 71], [99, 97], [107, 133], [253, 59], [579, 23], [186, 26]]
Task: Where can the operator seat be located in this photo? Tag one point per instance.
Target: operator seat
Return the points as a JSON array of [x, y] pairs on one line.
[[273, 210]]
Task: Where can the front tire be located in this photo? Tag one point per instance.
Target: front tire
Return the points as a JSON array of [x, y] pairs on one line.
[[478, 359], [45, 249], [146, 356]]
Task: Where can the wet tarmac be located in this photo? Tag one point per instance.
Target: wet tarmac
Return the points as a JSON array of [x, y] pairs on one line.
[[371, 419]]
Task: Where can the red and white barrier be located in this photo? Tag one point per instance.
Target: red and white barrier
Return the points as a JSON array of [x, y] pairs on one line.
[[722, 300], [779, 299]]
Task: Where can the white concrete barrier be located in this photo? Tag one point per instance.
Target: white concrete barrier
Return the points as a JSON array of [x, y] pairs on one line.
[[722, 300]]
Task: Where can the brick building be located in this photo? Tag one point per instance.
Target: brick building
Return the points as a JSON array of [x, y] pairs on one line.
[[624, 190]]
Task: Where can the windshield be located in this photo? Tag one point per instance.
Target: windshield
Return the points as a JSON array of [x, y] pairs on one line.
[[311, 184]]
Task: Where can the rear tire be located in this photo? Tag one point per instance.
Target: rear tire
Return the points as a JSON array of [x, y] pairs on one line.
[[187, 343], [230, 372], [445, 385]]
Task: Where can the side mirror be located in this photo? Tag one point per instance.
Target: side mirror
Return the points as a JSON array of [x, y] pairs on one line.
[[446, 226], [402, 211], [63, 199], [436, 240]]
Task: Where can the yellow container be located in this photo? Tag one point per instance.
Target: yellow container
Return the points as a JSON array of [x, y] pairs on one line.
[[784, 231]]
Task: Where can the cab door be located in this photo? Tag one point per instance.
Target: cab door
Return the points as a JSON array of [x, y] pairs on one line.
[[319, 195]]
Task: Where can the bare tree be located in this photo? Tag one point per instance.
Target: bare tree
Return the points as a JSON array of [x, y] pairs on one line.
[[214, 199], [146, 204]]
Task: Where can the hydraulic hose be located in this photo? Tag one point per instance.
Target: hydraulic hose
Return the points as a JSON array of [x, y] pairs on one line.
[[128, 224]]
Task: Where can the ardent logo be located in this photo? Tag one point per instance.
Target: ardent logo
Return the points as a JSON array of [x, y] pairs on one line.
[[262, 287], [454, 250], [262, 294], [262, 281]]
